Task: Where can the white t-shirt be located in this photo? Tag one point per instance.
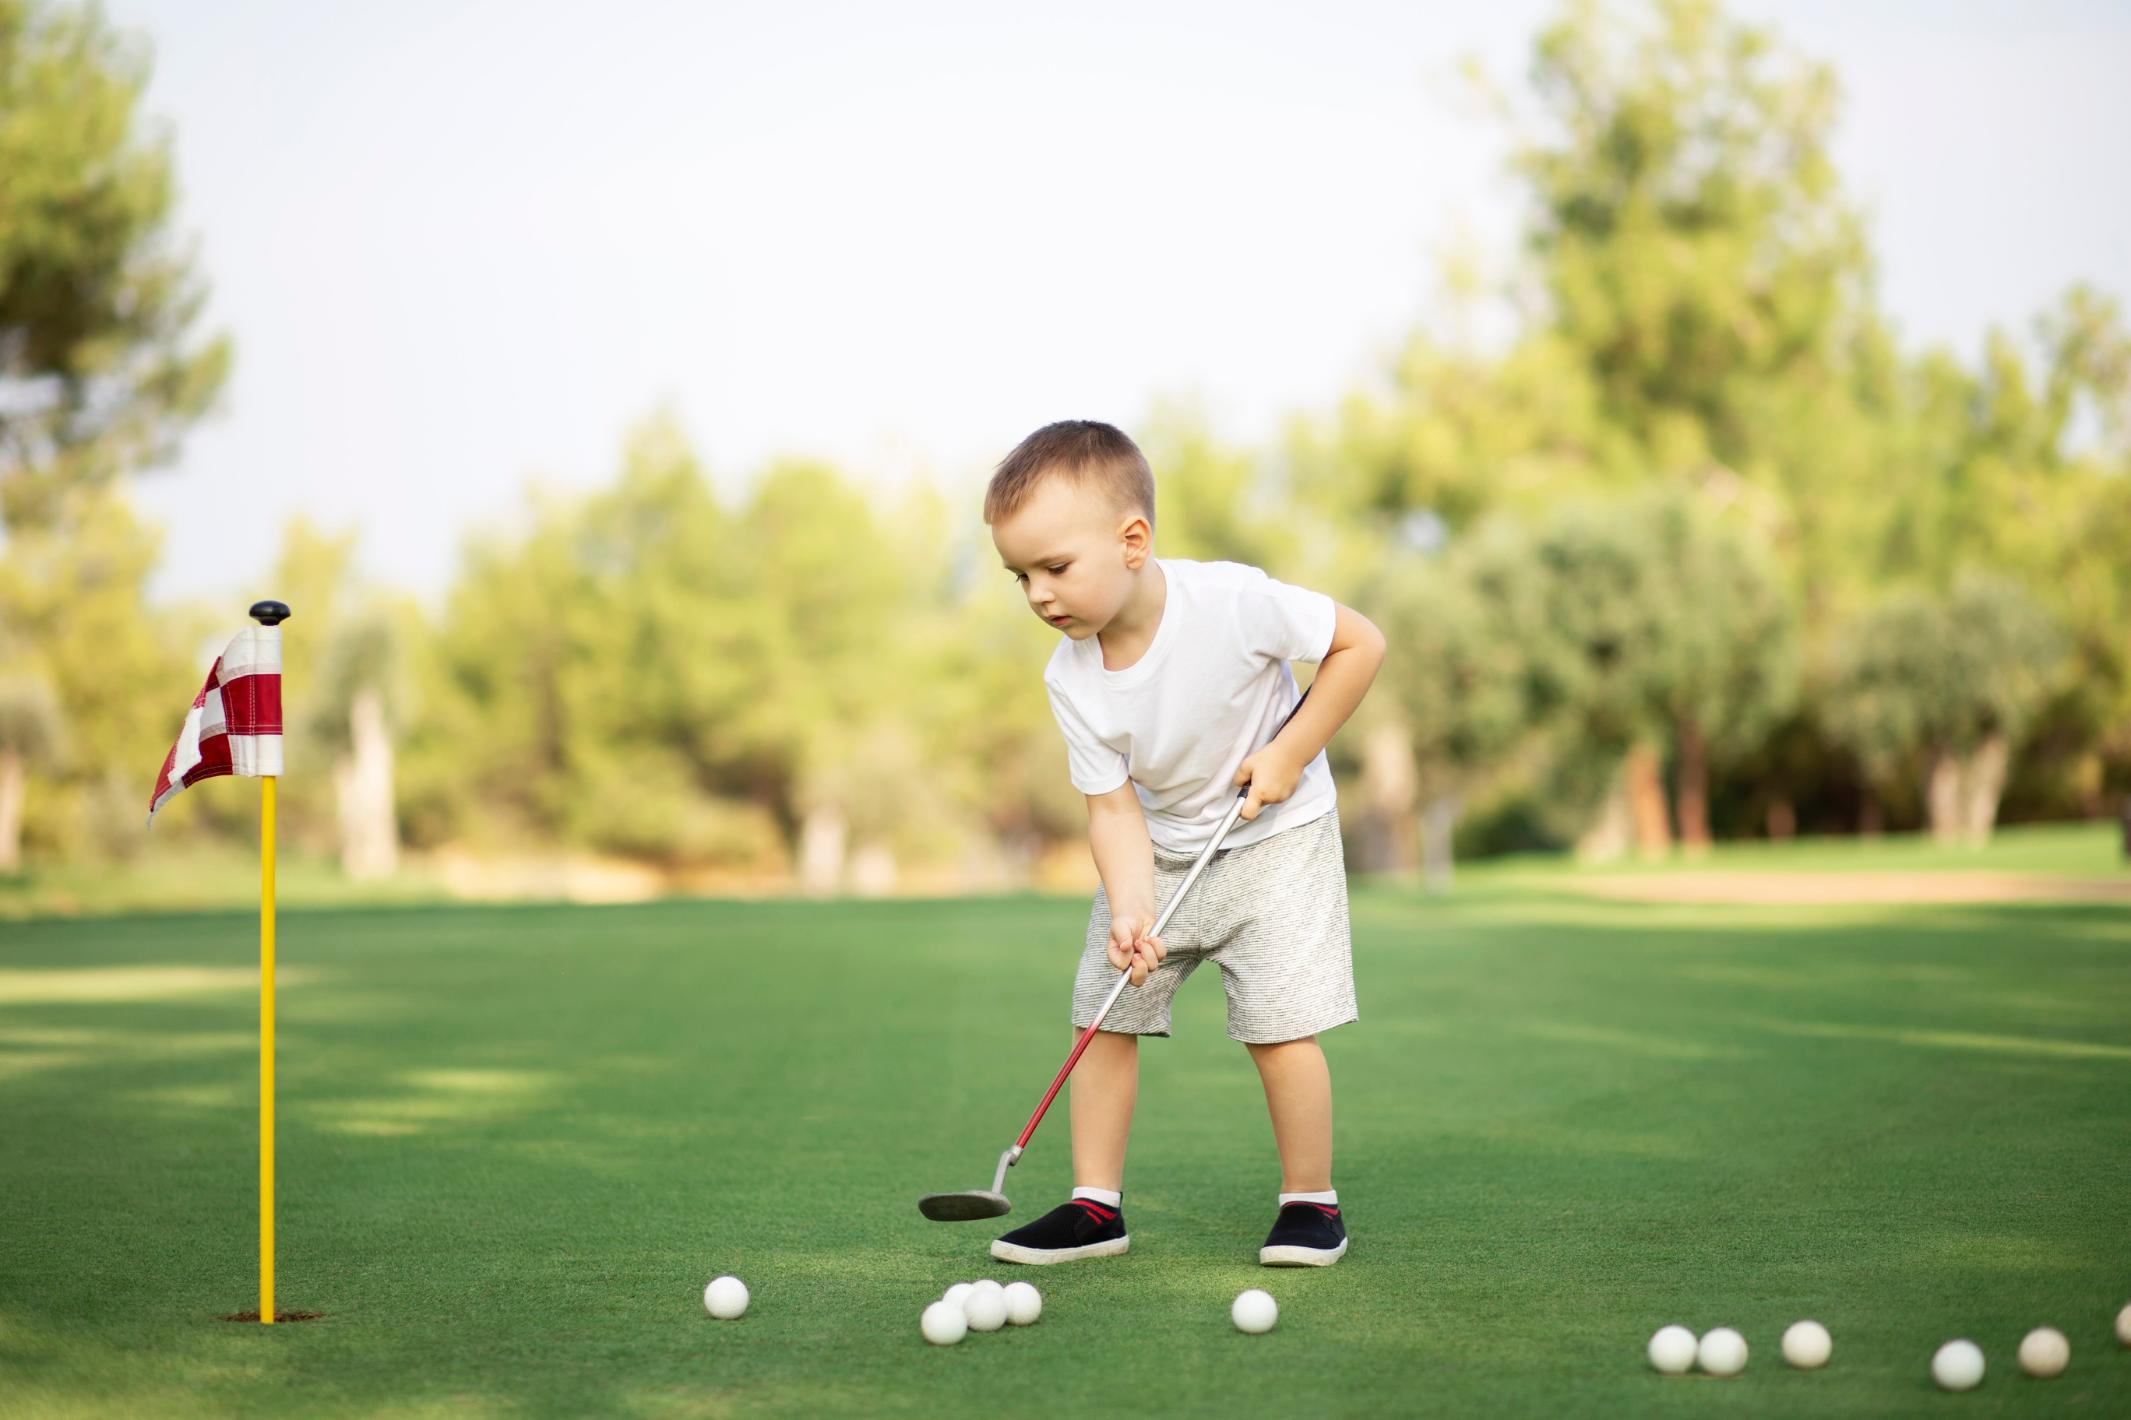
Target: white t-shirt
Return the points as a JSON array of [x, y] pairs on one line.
[[1209, 691]]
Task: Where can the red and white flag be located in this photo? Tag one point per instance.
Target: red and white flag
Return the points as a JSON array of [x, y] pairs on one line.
[[234, 726]]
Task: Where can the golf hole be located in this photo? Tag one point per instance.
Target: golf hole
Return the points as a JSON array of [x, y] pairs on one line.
[[279, 1317]]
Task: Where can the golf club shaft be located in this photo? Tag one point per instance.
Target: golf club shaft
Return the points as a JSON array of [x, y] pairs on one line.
[[1123, 977]]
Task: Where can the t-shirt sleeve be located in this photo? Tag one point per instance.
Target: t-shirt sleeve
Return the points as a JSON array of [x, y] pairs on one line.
[[1284, 622], [1094, 766]]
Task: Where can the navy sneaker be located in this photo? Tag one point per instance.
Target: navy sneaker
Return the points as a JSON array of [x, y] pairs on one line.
[[1078, 1228], [1305, 1235]]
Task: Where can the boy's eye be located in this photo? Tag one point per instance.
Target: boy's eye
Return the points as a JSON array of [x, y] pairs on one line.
[[1059, 568]]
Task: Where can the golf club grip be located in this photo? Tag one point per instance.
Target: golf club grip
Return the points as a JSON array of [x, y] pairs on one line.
[[1235, 809]]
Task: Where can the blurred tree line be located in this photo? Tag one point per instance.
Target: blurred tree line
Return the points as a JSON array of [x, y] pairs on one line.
[[1688, 547]]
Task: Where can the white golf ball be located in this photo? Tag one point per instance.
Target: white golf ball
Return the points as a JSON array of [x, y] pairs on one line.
[[1807, 1345], [1672, 1350], [1958, 1365], [1023, 1303], [955, 1294], [1254, 1311], [943, 1324], [2123, 1325], [986, 1311], [2044, 1352], [1722, 1352], [725, 1298]]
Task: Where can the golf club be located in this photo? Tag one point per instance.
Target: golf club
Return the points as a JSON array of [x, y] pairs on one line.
[[992, 1202]]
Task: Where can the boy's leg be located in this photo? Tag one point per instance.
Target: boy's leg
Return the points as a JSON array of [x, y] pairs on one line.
[[1298, 1095], [1104, 1088], [1105, 1085]]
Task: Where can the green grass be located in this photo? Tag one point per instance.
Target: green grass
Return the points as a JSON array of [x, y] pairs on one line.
[[517, 1141], [2091, 850], [196, 876]]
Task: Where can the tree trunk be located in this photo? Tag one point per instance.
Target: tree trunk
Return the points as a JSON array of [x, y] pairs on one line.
[[14, 788], [1692, 793], [1646, 800], [1982, 785], [369, 825], [1871, 817], [1389, 836], [1942, 798], [873, 871], [1439, 820], [1609, 835], [1782, 820], [821, 850]]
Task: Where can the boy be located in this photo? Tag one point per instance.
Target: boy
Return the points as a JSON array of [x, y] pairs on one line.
[[1170, 678]]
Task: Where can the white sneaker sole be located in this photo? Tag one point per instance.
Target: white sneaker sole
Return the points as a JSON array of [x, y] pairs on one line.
[[1301, 1256], [1036, 1256]]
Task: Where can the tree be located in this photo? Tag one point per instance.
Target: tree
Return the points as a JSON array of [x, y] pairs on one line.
[[100, 370], [1469, 680], [345, 677], [1935, 692], [1689, 224], [1725, 666], [82, 635], [588, 679], [29, 731], [2024, 466], [1218, 502], [1617, 632]]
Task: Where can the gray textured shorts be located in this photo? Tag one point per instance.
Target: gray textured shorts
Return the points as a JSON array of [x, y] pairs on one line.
[[1271, 914]]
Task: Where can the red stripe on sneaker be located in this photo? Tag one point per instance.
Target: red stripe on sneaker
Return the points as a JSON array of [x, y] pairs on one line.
[[1327, 1209], [1100, 1213]]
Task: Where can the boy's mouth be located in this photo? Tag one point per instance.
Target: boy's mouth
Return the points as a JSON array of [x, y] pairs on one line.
[[1058, 620]]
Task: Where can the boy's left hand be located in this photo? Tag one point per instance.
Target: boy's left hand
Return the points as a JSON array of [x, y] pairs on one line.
[[1272, 775]]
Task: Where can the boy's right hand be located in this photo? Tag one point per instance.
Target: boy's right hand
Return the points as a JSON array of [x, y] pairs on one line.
[[1131, 946]]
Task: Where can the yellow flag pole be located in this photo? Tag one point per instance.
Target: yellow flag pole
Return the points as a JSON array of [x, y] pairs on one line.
[[269, 614], [266, 1050]]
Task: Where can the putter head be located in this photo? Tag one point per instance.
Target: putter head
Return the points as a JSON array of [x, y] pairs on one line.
[[964, 1207]]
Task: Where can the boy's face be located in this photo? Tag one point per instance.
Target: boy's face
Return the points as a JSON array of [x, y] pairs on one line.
[[1071, 555]]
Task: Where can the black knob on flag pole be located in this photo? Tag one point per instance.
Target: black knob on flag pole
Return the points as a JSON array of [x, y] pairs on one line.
[[270, 613]]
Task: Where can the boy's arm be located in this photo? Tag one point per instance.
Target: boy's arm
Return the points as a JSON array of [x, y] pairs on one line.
[[1124, 857], [1343, 678]]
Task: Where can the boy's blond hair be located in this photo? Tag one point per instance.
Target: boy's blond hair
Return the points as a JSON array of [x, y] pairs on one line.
[[1083, 450]]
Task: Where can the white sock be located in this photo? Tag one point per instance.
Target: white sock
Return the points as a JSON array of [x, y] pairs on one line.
[[1101, 1195], [1330, 1195]]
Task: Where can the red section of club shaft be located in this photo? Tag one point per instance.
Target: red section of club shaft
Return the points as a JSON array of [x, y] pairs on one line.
[[1028, 1131]]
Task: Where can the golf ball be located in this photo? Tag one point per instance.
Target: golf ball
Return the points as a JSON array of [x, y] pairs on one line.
[[986, 1310], [1722, 1352], [956, 1293], [1806, 1345], [1672, 1350], [2123, 1325], [2044, 1352], [725, 1298], [1254, 1311], [943, 1324], [1023, 1303], [1958, 1366]]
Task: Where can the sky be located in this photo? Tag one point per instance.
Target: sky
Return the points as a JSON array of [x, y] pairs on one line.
[[462, 247]]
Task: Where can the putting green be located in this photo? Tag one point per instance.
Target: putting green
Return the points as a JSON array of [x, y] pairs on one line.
[[517, 1142]]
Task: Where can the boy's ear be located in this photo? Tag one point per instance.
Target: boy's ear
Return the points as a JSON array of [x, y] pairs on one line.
[[1137, 538]]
